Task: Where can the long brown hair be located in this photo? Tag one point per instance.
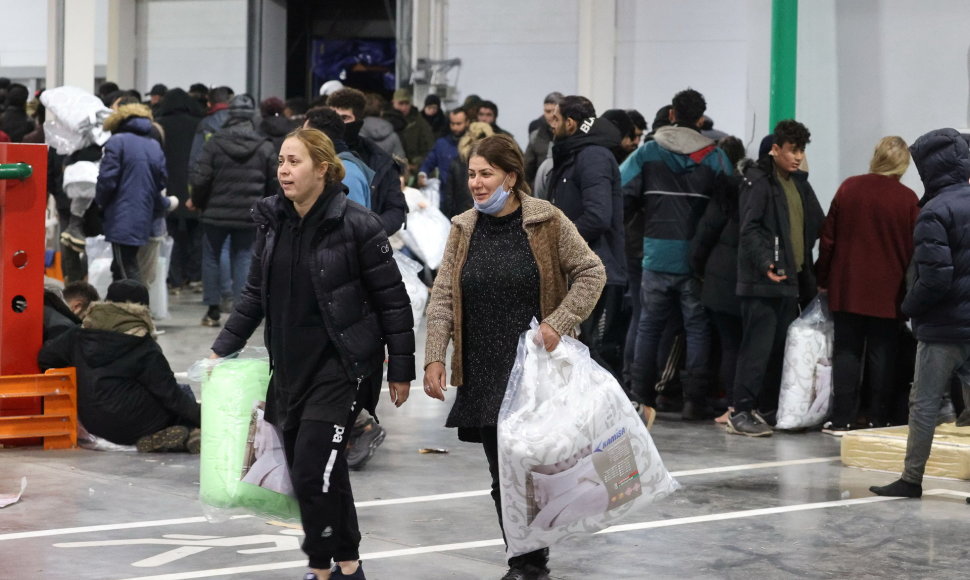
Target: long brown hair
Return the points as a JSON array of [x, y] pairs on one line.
[[502, 152]]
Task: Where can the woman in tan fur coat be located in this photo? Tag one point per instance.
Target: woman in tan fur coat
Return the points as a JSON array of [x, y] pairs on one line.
[[509, 259]]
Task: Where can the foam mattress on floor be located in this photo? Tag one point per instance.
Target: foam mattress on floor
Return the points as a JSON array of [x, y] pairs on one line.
[[884, 449]]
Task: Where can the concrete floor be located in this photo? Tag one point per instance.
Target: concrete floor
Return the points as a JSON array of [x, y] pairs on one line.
[[780, 507]]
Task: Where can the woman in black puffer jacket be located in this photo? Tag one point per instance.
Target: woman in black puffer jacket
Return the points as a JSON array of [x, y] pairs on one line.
[[326, 283]]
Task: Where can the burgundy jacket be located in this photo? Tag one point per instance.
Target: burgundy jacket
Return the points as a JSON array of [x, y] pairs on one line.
[[866, 245]]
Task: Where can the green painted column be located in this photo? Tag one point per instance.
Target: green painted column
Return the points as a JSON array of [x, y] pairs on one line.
[[784, 60]]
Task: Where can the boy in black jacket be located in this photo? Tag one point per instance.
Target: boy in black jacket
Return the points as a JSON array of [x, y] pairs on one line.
[[127, 392]]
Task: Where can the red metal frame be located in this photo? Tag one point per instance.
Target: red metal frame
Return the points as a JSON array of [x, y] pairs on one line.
[[22, 207]]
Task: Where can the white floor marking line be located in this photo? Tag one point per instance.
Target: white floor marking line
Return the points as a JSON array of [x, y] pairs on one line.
[[704, 471], [422, 498], [396, 501], [107, 528], [498, 541], [765, 465]]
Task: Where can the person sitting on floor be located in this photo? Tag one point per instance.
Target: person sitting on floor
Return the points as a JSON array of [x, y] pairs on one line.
[[64, 309], [127, 392]]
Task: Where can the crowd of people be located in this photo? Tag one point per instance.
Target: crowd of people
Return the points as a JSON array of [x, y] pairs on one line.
[[679, 261]]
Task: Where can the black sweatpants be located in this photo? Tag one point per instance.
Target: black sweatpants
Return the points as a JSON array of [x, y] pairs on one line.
[[316, 453], [764, 323], [490, 445]]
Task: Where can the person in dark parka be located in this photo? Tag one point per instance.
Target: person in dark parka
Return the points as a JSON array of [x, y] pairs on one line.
[[780, 222], [938, 302], [131, 178], [237, 168], [585, 185], [179, 115], [127, 392], [332, 297]]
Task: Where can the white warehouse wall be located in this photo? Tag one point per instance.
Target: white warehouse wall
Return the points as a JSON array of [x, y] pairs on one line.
[[871, 68], [180, 43], [514, 55]]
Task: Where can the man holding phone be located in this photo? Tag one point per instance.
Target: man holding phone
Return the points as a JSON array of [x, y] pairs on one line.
[[780, 221]]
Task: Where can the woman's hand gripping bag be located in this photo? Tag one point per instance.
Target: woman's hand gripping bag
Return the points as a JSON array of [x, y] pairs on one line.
[[242, 464], [574, 455], [806, 375]]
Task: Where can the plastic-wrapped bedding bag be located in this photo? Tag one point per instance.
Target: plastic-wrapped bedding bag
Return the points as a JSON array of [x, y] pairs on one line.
[[806, 375], [426, 234], [574, 456], [242, 463], [417, 291], [74, 119], [97, 250]]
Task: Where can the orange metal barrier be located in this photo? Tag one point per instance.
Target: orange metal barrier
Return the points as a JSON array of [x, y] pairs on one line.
[[57, 425]]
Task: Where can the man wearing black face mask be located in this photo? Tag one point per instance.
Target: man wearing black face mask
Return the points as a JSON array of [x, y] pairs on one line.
[[585, 184], [387, 200]]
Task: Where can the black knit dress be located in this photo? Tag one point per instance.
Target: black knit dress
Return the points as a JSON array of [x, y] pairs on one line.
[[500, 296]]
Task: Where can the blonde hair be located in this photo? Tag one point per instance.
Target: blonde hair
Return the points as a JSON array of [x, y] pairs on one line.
[[476, 132], [891, 157], [321, 151]]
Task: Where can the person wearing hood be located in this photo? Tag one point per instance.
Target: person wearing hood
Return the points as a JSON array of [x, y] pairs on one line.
[[387, 200], [273, 123], [938, 301], [179, 115], [236, 168], [674, 175], [585, 184], [127, 391], [215, 117], [780, 220], [335, 308], [380, 130], [131, 178], [435, 117]]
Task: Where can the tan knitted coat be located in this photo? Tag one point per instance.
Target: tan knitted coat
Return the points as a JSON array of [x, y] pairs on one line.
[[571, 278]]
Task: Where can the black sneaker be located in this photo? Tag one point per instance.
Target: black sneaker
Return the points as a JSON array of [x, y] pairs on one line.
[[168, 439], [745, 423], [362, 448], [526, 572], [335, 572], [836, 430], [964, 421], [898, 488]]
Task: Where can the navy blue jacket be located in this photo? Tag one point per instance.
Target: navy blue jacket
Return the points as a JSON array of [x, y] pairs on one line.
[[939, 300], [442, 154], [130, 180], [585, 184]]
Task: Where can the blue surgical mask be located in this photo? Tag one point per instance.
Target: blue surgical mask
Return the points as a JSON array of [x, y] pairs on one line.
[[495, 202]]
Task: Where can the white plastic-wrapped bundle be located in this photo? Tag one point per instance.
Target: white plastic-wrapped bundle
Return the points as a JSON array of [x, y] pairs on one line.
[[417, 291], [426, 234], [74, 119], [806, 376], [99, 256], [574, 456], [158, 289]]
